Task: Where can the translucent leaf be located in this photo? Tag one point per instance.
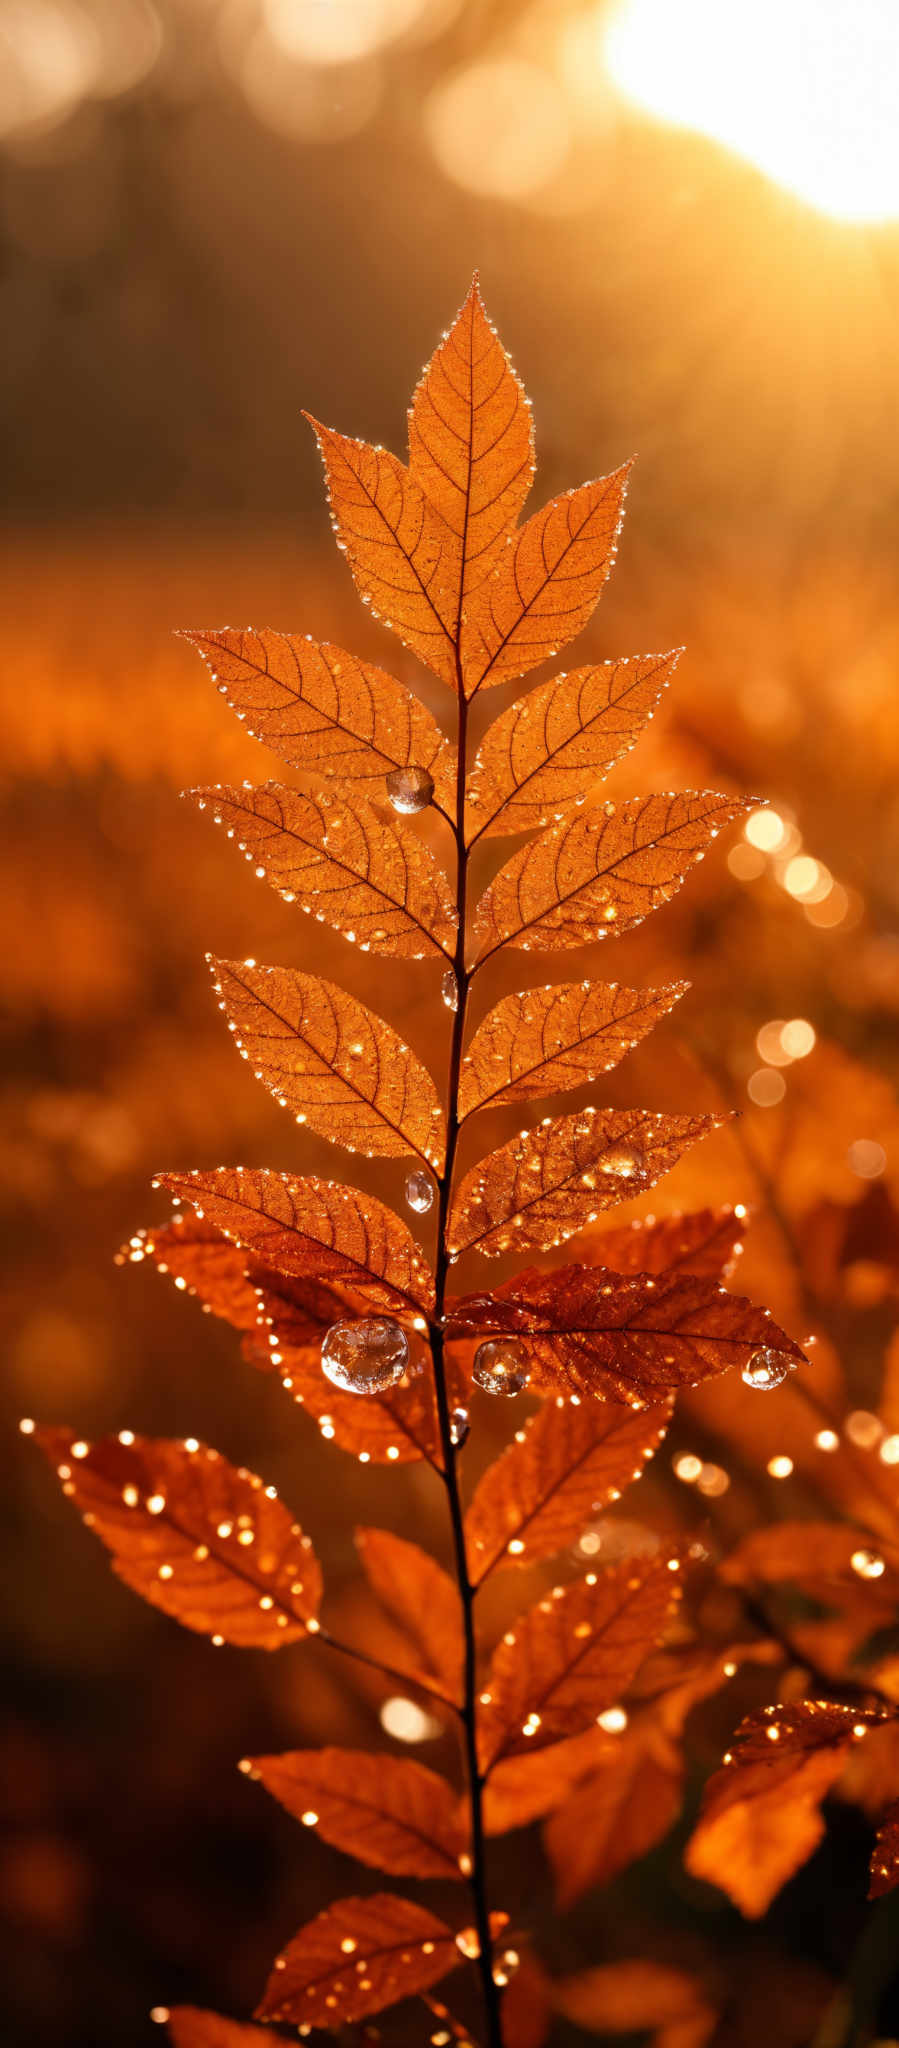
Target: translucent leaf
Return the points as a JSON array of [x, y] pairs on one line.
[[471, 441], [310, 1228], [600, 872], [373, 880], [707, 1242], [817, 1556], [573, 1655], [208, 1544], [356, 1957], [616, 1815], [190, 2027], [630, 1997], [523, 1788], [621, 1337], [201, 1262], [567, 1464], [546, 585], [326, 712], [885, 1856], [403, 557], [330, 1061], [388, 1812], [547, 1183], [547, 1039], [421, 1596], [541, 758]]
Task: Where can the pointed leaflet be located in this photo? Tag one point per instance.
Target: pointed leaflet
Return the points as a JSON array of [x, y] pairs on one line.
[[386, 1811], [371, 879], [565, 1465], [332, 1062], [547, 1039], [574, 1654], [203, 1541], [421, 1597], [310, 1227], [523, 1788], [403, 557], [326, 712], [356, 1957], [202, 1262], [622, 1338], [549, 1182], [546, 586], [471, 442], [602, 871], [542, 756], [190, 2027], [885, 1856], [616, 1815], [706, 1241], [816, 1556]]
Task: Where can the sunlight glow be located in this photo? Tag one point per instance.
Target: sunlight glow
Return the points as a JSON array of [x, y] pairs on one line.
[[806, 89]]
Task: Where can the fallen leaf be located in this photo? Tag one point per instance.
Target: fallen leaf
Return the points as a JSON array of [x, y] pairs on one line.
[[547, 1039], [389, 1812], [567, 1464], [356, 1957], [422, 1597]]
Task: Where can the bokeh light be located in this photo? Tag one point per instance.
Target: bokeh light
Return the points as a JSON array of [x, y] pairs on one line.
[[499, 127]]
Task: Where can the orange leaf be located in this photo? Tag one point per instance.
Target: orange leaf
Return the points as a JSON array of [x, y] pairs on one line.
[[310, 1227], [601, 872], [629, 1997], [541, 758], [616, 1815], [189, 2027], [471, 442], [419, 1595], [574, 1654], [818, 1557], [546, 586], [386, 1811], [403, 557], [207, 1544], [201, 1262], [332, 1062], [356, 1957], [622, 1337], [373, 880], [565, 1465], [885, 1856], [522, 1788], [707, 1242], [547, 1183], [547, 1039], [326, 712]]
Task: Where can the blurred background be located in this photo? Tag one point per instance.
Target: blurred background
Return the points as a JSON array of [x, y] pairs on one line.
[[213, 213]]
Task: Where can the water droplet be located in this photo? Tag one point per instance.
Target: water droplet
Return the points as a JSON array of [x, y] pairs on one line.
[[459, 1427], [624, 1162], [767, 1369], [410, 789], [419, 1191], [867, 1564], [500, 1367], [467, 1942], [366, 1355], [449, 989]]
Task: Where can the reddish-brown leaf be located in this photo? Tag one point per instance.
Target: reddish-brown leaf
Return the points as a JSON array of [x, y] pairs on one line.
[[421, 1596], [546, 586], [522, 1788], [601, 872], [326, 712], [547, 1039], [541, 758], [403, 556], [372, 879], [567, 1464], [547, 1183], [201, 1262], [818, 1556], [885, 1856], [310, 1227], [386, 1811], [330, 1061], [191, 2027], [356, 1957], [630, 1997], [707, 1242], [616, 1814], [471, 442], [208, 1544], [622, 1337], [574, 1654]]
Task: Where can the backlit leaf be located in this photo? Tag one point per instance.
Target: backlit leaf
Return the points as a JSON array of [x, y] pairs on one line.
[[326, 712], [403, 556], [522, 1788], [573, 1655], [471, 442], [885, 1856], [206, 1543], [190, 2027], [816, 1556], [629, 1997], [541, 757], [310, 1227], [623, 1337], [566, 1464], [601, 872], [419, 1595], [546, 585], [330, 1061], [356, 1957], [707, 1242], [547, 1039], [201, 1262], [387, 1811], [547, 1183], [617, 1813], [373, 880]]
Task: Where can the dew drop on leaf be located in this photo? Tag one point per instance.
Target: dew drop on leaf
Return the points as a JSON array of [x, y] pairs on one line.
[[767, 1369], [419, 1191], [449, 990], [867, 1564], [623, 1162], [500, 1368], [366, 1355], [410, 789], [459, 1427]]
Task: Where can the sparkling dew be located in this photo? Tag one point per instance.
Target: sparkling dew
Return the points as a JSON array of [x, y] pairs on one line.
[[500, 1367], [365, 1355], [419, 1191], [459, 1427], [449, 990], [410, 789], [767, 1369]]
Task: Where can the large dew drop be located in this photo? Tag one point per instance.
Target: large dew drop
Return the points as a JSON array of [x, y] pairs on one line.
[[410, 789], [419, 1191], [499, 1367], [459, 1427], [366, 1355], [449, 990], [767, 1369], [623, 1162]]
